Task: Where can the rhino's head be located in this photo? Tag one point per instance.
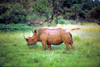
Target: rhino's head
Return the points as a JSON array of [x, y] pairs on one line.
[[32, 40]]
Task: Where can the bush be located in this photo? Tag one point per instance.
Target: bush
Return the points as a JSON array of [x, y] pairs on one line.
[[15, 27], [61, 22], [17, 14]]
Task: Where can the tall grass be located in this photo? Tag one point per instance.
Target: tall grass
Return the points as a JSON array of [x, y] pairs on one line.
[[14, 51]]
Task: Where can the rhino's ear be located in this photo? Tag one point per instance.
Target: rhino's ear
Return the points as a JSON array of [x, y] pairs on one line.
[[35, 31], [27, 40]]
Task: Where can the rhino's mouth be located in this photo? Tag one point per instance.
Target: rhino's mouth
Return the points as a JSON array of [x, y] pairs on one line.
[[30, 44]]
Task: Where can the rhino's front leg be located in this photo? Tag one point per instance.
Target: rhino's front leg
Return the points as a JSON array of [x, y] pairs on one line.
[[44, 45], [49, 46]]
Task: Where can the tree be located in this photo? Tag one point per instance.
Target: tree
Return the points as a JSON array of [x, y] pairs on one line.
[[55, 11], [40, 6], [94, 14], [16, 14], [68, 13], [26, 4]]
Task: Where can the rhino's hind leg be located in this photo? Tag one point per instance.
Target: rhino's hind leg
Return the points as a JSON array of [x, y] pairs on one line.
[[73, 47], [67, 45], [44, 45], [49, 46]]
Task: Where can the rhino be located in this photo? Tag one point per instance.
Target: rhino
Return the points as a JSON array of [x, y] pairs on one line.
[[51, 36]]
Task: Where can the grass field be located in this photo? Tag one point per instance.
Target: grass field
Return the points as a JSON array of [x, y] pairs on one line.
[[14, 50]]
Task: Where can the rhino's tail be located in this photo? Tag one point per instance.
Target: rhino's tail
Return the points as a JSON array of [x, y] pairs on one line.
[[75, 29]]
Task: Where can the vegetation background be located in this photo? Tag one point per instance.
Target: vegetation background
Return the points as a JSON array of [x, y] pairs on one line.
[[37, 12], [20, 17]]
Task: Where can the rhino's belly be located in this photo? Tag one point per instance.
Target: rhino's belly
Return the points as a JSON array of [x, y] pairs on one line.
[[54, 41]]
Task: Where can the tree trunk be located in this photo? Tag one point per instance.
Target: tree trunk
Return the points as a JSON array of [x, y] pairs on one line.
[[53, 11]]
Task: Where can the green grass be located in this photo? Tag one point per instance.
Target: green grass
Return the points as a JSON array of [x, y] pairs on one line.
[[14, 50]]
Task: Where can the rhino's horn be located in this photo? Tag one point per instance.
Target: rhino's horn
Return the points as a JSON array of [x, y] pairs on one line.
[[25, 38]]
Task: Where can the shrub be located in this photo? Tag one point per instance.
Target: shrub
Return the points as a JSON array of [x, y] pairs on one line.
[[15, 27], [61, 22], [17, 14]]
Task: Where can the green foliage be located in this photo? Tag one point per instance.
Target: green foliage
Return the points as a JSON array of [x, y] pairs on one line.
[[41, 10], [15, 27], [82, 14], [61, 21], [2, 61], [40, 6], [16, 11], [78, 8], [68, 13], [17, 14], [94, 14], [26, 3]]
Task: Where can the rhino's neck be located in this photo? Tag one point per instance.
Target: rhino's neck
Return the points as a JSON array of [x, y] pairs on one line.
[[40, 31], [38, 34]]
